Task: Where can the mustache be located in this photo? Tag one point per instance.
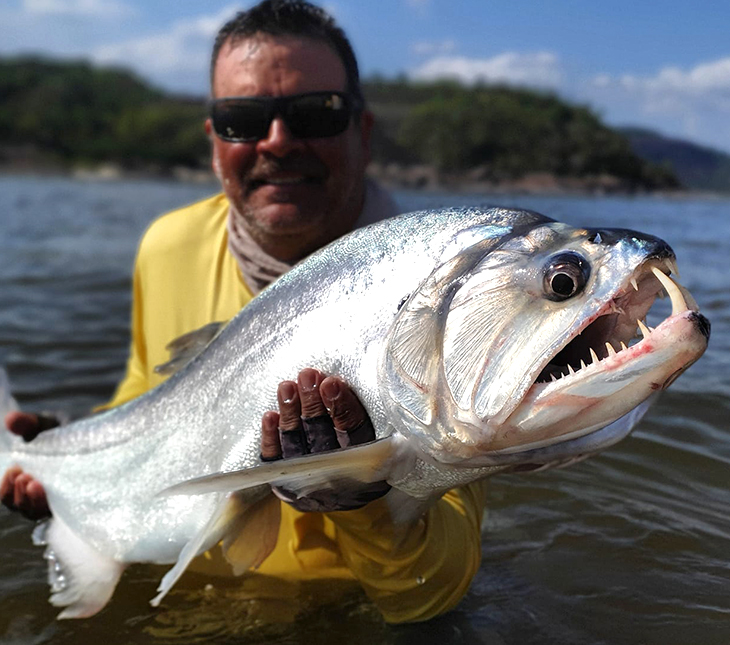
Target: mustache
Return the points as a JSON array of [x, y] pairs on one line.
[[309, 166]]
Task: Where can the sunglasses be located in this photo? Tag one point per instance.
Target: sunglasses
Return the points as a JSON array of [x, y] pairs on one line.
[[307, 116]]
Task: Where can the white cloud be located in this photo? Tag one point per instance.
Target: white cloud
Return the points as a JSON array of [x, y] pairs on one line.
[[691, 102], [181, 53], [439, 48], [77, 7], [541, 69], [674, 90]]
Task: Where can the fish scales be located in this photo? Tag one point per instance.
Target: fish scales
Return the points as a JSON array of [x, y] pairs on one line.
[[367, 308]]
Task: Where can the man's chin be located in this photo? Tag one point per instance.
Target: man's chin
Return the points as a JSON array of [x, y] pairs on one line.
[[287, 219]]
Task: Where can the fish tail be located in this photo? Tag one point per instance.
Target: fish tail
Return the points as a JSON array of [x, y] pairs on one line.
[[82, 580], [7, 404]]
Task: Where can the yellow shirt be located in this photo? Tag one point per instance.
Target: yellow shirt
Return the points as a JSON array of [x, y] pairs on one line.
[[184, 278]]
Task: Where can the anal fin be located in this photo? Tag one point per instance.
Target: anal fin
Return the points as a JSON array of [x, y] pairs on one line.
[[82, 580], [253, 536], [230, 514]]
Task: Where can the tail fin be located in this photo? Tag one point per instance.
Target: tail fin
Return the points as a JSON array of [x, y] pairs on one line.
[[7, 404], [82, 580]]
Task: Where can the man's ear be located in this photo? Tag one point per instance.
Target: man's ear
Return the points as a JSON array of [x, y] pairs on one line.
[[213, 155]]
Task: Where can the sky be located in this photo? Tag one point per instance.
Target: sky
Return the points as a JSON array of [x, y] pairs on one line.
[[664, 65]]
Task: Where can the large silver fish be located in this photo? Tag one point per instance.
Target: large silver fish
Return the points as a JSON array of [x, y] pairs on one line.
[[478, 340]]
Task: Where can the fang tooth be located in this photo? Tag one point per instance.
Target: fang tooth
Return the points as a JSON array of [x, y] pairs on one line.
[[623, 346], [679, 304], [634, 284], [552, 377], [672, 266], [594, 356], [644, 329], [611, 350], [570, 369], [582, 364]]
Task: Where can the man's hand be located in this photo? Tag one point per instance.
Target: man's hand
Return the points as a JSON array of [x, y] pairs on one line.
[[18, 490], [317, 414]]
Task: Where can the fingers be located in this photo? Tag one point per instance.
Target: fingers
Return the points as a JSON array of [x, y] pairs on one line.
[[308, 383], [315, 414], [24, 424], [29, 425], [350, 419], [319, 431], [19, 491], [7, 486], [291, 434], [270, 444], [32, 502]]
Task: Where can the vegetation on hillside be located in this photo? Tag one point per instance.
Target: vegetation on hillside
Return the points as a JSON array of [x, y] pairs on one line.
[[74, 113], [506, 132], [71, 113]]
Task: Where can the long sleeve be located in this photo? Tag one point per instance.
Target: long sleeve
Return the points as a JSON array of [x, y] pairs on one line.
[[422, 572]]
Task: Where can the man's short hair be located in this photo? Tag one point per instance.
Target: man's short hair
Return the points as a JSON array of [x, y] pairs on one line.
[[292, 18]]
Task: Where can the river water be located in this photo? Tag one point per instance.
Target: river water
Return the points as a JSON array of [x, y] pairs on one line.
[[628, 547]]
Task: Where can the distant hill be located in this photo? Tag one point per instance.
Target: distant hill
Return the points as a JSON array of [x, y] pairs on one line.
[[697, 167], [496, 135], [66, 115]]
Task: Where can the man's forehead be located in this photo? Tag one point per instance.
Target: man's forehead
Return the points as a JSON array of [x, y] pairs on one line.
[[258, 64]]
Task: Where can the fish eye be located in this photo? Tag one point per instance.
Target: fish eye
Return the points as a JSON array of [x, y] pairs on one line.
[[565, 275]]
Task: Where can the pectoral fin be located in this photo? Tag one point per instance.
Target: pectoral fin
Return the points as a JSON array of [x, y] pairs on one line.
[[367, 463]]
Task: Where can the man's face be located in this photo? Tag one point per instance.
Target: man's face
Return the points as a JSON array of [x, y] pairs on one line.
[[295, 195]]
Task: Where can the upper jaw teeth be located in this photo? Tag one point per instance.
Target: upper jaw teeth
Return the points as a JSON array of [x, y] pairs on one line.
[[681, 299]]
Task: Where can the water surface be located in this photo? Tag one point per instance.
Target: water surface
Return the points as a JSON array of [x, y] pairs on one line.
[[628, 547]]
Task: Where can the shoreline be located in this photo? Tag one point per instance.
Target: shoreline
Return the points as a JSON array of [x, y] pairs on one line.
[[418, 178]]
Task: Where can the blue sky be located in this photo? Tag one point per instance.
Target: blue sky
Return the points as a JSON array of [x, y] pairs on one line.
[[664, 65]]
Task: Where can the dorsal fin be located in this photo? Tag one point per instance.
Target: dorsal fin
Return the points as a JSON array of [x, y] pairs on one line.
[[186, 347]]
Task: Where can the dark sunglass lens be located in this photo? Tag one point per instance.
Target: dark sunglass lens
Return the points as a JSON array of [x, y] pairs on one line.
[[240, 121], [318, 115]]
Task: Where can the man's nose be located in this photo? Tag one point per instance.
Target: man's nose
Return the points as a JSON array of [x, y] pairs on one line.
[[279, 140]]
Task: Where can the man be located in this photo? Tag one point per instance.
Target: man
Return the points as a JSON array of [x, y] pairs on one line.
[[290, 138]]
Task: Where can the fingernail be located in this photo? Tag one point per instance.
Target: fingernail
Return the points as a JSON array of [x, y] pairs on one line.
[[287, 391], [330, 390], [308, 379]]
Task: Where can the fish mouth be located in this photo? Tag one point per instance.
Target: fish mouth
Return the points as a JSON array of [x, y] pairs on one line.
[[619, 328], [611, 365]]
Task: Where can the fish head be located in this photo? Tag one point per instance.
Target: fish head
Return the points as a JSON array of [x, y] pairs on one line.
[[515, 345]]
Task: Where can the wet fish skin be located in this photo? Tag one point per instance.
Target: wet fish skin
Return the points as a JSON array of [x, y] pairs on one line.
[[336, 312]]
